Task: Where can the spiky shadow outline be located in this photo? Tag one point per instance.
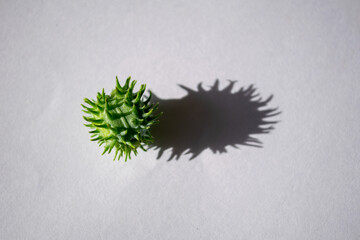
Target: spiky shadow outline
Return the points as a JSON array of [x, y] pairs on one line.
[[212, 119]]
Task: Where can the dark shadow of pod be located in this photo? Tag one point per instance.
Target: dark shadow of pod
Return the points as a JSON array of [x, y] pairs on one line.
[[211, 119]]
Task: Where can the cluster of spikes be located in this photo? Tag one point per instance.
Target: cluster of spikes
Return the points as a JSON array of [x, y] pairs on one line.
[[121, 120]]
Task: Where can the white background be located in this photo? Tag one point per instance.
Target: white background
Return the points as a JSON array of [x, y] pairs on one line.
[[303, 184]]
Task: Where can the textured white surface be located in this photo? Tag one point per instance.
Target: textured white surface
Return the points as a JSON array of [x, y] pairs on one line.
[[303, 184]]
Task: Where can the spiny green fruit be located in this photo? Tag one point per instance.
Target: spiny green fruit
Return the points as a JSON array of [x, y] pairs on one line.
[[122, 119]]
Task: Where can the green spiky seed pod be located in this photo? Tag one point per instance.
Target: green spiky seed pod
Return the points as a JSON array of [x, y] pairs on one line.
[[121, 120]]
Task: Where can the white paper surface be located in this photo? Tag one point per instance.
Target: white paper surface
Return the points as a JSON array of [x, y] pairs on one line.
[[304, 182]]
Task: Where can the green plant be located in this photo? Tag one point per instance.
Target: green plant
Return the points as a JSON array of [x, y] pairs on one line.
[[121, 120]]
